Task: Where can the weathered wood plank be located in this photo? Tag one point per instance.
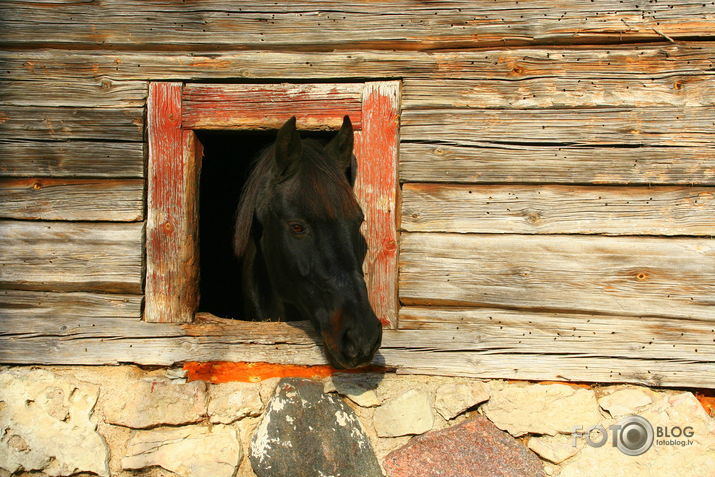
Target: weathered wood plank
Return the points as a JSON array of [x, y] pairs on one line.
[[46, 123], [256, 106], [321, 24], [592, 127], [558, 92], [172, 266], [556, 367], [642, 63], [492, 163], [45, 311], [558, 209], [377, 187], [72, 199], [71, 159], [102, 92], [672, 277], [442, 352], [604, 336], [60, 256]]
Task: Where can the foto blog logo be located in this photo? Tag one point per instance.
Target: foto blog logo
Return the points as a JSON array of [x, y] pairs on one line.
[[634, 435]]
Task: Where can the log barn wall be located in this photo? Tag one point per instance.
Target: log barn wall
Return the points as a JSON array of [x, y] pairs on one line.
[[557, 162]]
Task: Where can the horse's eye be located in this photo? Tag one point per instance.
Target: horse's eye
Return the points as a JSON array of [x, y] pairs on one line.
[[297, 228]]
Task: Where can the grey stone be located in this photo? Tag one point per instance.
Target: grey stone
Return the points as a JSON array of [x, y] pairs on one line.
[[408, 413], [46, 424], [144, 403], [189, 451], [307, 433], [359, 388]]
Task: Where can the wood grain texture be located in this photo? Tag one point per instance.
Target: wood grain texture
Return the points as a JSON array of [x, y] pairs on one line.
[[72, 199], [673, 277], [47, 123], [377, 153], [321, 24], [510, 331], [524, 209], [640, 91], [260, 106], [62, 256], [70, 159], [507, 163], [45, 310], [567, 127], [449, 352], [92, 92], [172, 266], [627, 62]]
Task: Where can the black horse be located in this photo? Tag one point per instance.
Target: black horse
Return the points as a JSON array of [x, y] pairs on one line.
[[297, 235]]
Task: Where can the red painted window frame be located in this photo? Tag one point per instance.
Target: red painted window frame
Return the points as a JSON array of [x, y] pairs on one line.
[[177, 110]]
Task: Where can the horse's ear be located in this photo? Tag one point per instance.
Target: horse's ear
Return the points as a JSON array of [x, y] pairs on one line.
[[289, 148], [342, 144]]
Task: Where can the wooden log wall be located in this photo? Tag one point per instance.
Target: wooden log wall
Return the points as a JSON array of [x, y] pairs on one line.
[[557, 162]]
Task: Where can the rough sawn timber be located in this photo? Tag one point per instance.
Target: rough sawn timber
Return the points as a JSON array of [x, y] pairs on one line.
[[669, 277], [21, 158], [71, 256], [321, 24], [558, 209], [255, 106], [48, 123], [514, 163], [377, 190], [172, 236], [72, 199]]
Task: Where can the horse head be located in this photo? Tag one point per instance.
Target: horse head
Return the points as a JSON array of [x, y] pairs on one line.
[[305, 252]]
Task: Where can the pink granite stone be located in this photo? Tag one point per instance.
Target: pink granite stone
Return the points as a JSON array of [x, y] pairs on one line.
[[474, 448]]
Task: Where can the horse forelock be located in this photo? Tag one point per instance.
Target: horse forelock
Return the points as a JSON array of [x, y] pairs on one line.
[[318, 187]]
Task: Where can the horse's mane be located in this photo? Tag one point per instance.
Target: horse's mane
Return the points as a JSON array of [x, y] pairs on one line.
[[323, 189]]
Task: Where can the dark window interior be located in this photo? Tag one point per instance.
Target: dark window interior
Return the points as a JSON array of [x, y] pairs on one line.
[[228, 157]]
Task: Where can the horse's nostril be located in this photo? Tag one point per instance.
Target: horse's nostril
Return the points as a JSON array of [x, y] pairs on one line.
[[350, 347]]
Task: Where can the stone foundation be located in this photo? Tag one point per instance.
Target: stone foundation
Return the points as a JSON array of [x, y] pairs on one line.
[[126, 421]]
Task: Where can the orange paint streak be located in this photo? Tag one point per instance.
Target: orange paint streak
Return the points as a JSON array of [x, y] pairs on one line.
[[225, 371], [573, 385]]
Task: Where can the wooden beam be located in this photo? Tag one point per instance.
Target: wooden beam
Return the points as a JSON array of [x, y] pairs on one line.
[[555, 209], [602, 336], [46, 311], [71, 256], [568, 127], [673, 277], [537, 92], [20, 158], [256, 106], [376, 187], [90, 92], [507, 163], [627, 62], [172, 267], [72, 199], [47, 123], [396, 24], [442, 352]]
